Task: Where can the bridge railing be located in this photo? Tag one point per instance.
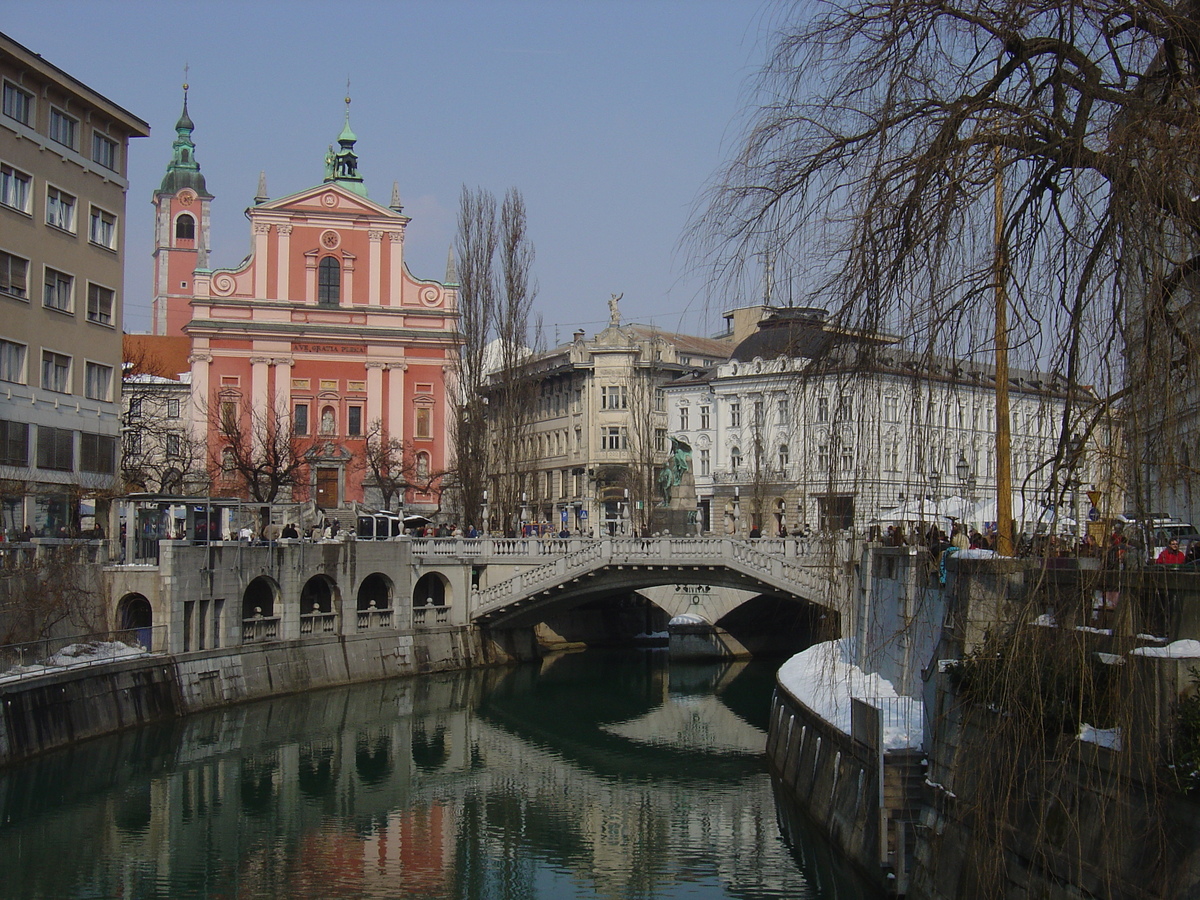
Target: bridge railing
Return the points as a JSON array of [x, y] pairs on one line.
[[52, 654], [754, 557]]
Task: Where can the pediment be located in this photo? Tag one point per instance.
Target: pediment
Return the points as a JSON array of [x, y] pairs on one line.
[[329, 199]]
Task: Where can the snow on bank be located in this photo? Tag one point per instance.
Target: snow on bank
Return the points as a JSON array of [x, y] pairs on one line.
[[1174, 650], [73, 655], [824, 679]]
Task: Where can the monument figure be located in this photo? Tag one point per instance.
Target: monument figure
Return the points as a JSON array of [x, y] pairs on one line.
[[614, 312]]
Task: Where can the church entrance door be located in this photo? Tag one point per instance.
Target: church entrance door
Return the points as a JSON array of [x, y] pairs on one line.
[[327, 488]]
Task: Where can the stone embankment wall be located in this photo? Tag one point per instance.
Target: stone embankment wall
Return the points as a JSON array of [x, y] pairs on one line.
[[852, 792], [47, 711]]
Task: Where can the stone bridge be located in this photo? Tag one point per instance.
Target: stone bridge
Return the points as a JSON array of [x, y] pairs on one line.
[[529, 577]]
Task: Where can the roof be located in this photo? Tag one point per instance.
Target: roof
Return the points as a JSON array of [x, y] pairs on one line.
[[157, 354], [798, 333]]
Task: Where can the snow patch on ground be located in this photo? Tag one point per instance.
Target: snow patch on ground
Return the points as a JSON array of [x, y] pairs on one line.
[[1109, 738], [73, 655], [825, 680]]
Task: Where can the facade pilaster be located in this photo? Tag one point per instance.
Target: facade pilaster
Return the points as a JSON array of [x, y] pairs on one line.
[[261, 233], [396, 244], [395, 422], [374, 291], [374, 392], [260, 374], [284, 257], [201, 364]]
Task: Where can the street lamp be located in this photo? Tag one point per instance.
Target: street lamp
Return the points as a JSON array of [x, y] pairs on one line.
[[934, 478], [483, 525], [524, 510], [966, 478], [737, 508]]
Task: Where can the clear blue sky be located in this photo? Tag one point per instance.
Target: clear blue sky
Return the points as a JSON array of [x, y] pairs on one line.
[[611, 116]]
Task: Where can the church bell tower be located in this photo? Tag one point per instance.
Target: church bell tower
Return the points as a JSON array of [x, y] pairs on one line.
[[181, 231]]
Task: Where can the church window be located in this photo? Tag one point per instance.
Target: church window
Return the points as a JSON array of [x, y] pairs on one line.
[[185, 228], [354, 420], [329, 282], [300, 419]]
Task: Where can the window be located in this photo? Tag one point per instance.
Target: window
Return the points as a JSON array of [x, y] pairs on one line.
[[735, 414], [102, 228], [14, 188], [172, 409], [705, 463], [185, 228], [424, 423], [18, 104], [735, 460], [891, 408], [97, 381], [660, 400], [56, 372], [783, 412], [784, 456], [329, 282], [173, 446], [104, 151], [705, 418], [55, 448], [14, 275], [354, 421], [660, 439], [683, 418], [100, 304], [60, 209], [614, 396], [229, 416], [847, 461], [12, 362], [14, 443], [822, 409], [823, 457], [97, 453], [57, 290], [63, 128], [610, 438]]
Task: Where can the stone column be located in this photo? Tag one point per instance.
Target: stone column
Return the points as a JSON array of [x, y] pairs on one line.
[[283, 387]]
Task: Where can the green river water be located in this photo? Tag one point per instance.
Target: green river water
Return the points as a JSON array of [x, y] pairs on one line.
[[590, 775]]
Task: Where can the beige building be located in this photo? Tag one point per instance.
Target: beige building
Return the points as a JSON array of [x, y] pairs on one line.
[[599, 425], [63, 154]]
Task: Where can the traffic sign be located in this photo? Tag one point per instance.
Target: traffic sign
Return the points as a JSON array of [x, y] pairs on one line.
[[1095, 496], [1093, 515]]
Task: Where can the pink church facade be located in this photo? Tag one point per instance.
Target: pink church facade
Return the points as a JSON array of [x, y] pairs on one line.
[[321, 331]]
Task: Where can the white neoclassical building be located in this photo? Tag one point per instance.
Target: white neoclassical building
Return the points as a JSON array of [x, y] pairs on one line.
[[811, 426]]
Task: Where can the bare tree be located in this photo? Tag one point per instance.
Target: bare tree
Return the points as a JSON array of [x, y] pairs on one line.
[[256, 451], [958, 158], [395, 465], [477, 299]]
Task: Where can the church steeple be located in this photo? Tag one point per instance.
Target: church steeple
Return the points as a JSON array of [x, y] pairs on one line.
[[341, 165], [183, 171]]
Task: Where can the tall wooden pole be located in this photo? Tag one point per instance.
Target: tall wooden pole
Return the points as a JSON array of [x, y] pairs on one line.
[[1004, 524]]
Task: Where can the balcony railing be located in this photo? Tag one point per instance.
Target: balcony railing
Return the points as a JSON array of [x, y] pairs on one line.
[[374, 618], [260, 628], [318, 623], [430, 615]]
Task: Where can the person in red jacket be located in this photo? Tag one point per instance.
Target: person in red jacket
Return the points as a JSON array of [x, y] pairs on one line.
[[1171, 555]]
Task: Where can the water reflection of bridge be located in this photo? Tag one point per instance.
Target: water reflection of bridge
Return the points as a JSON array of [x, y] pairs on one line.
[[402, 782]]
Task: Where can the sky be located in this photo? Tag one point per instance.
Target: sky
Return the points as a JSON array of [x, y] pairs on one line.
[[610, 116]]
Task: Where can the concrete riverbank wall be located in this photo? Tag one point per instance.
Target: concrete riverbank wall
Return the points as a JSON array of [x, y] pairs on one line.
[[46, 711]]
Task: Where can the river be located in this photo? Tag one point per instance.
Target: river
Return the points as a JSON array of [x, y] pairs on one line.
[[591, 775]]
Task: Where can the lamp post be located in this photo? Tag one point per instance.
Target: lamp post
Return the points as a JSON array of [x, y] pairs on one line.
[[737, 509], [934, 479], [524, 511], [483, 514], [967, 479], [625, 513]]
